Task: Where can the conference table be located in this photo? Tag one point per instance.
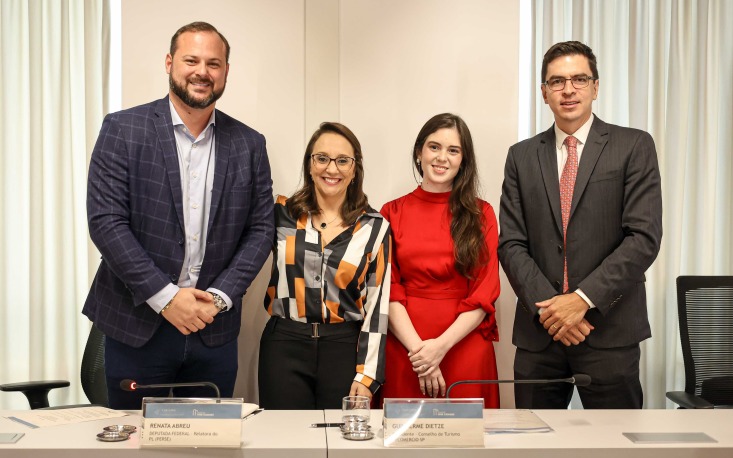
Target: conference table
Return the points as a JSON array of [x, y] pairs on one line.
[[275, 434]]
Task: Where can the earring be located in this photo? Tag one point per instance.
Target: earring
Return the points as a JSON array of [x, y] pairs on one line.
[[418, 162]]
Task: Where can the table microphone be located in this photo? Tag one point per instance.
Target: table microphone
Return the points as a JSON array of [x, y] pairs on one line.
[[131, 385], [576, 379]]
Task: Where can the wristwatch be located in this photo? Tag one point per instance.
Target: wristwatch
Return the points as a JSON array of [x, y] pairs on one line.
[[219, 302]]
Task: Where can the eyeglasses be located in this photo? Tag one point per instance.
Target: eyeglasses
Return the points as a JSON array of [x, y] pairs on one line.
[[343, 163], [578, 82]]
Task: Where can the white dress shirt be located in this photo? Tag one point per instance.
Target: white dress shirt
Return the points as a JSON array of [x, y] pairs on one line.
[[562, 157]]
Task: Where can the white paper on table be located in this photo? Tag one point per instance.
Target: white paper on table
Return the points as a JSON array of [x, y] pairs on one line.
[[43, 418], [513, 421]]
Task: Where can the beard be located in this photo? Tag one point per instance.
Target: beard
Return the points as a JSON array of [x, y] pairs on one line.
[[180, 91]]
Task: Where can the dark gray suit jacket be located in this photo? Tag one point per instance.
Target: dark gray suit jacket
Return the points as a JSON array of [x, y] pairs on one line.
[[135, 215], [613, 235]]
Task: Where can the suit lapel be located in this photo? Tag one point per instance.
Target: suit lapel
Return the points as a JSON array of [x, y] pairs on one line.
[[597, 139], [547, 155], [223, 148], [164, 129]]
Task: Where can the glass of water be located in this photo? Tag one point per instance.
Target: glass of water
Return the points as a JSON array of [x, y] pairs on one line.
[[355, 410]]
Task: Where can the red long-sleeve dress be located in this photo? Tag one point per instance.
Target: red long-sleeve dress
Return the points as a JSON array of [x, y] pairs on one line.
[[425, 281]]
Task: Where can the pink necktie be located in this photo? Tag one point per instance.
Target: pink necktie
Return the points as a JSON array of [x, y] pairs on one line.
[[567, 184]]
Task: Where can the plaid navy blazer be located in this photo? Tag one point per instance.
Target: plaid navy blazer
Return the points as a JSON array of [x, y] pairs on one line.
[[135, 216]]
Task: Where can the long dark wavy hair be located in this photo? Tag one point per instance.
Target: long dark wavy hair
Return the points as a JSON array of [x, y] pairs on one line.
[[467, 222], [304, 199]]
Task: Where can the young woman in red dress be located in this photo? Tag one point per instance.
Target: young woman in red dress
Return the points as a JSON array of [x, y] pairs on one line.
[[445, 273]]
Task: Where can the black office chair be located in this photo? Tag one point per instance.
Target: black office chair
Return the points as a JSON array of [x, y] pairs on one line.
[[93, 381], [705, 306]]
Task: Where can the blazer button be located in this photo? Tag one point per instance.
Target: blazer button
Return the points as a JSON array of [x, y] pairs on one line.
[[180, 241], [559, 248]]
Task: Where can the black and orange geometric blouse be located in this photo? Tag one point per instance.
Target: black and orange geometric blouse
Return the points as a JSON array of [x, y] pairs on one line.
[[346, 280]]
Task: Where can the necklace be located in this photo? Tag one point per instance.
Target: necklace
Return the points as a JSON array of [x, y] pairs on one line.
[[325, 224]]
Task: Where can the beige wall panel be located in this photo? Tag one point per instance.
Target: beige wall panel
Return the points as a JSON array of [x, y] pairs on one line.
[[321, 63]]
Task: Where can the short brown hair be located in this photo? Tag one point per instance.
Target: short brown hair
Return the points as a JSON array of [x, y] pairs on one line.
[[197, 27], [569, 48]]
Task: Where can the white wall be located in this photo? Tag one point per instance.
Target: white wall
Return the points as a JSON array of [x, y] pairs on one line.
[[381, 67]]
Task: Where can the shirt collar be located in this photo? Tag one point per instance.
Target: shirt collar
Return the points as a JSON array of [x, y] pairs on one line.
[[177, 121], [581, 134]]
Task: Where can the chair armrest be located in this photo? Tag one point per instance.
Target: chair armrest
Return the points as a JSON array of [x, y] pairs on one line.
[[35, 391], [688, 401], [34, 385]]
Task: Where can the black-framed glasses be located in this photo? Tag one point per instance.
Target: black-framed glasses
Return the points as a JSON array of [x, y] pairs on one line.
[[343, 163], [578, 82]]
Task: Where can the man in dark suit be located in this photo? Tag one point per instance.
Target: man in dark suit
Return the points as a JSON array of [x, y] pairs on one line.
[[180, 206], [581, 221]]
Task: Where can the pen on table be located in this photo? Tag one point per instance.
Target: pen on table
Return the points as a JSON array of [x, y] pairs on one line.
[[326, 425], [255, 412]]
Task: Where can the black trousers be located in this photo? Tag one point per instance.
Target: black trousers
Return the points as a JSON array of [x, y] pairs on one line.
[[300, 372], [168, 357], [614, 376]]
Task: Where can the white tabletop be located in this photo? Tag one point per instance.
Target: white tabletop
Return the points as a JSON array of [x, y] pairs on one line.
[[274, 434], [576, 433], [270, 434]]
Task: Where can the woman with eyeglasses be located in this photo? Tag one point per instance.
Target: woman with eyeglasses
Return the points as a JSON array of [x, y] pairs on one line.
[[445, 273], [328, 296]]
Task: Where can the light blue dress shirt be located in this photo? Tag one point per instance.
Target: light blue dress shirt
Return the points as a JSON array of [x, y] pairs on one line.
[[196, 159]]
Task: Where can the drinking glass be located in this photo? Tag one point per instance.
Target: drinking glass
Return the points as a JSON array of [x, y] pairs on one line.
[[355, 410]]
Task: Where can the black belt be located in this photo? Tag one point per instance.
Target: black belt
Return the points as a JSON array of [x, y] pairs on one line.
[[317, 330]]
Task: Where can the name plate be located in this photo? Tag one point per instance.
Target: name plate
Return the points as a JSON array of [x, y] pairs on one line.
[[191, 422], [434, 422]]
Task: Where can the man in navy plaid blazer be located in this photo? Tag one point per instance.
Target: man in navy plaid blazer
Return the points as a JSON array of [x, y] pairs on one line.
[[180, 206]]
